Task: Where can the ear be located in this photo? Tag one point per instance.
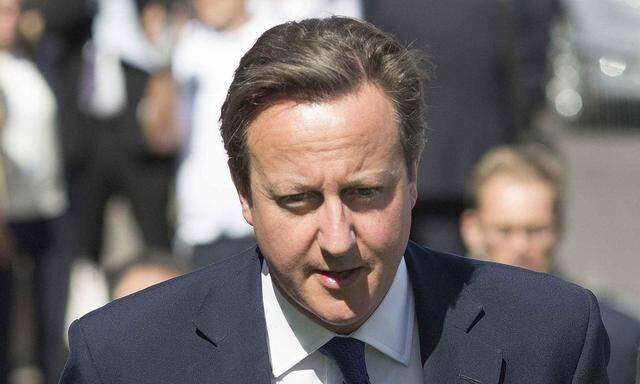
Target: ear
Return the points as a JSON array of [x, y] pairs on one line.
[[413, 183], [245, 199], [247, 211], [472, 233]]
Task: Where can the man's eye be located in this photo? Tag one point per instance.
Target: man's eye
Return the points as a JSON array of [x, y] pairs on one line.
[[366, 192], [300, 203], [538, 231], [292, 199], [504, 231]]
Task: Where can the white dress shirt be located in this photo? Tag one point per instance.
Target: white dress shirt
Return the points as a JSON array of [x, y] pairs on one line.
[[392, 344]]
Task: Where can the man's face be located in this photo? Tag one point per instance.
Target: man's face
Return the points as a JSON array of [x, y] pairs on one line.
[[331, 203], [154, 20], [221, 14], [515, 223], [9, 14]]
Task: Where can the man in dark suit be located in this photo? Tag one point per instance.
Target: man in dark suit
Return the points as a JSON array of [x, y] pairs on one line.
[[488, 75], [470, 99], [323, 128], [516, 218]]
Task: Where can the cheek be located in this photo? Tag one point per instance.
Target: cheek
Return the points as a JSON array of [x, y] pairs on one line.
[[8, 26], [386, 231], [497, 249], [283, 238], [379, 231], [545, 246]]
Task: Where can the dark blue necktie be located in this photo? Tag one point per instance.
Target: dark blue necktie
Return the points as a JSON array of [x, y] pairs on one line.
[[348, 353]]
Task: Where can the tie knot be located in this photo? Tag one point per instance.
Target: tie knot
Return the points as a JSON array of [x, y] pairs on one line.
[[348, 353]]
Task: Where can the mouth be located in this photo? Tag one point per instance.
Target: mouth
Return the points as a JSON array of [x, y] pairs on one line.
[[338, 279]]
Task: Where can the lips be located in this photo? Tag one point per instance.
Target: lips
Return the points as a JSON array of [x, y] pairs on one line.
[[338, 279]]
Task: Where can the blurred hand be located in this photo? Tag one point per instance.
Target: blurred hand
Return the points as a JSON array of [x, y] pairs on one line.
[[157, 117]]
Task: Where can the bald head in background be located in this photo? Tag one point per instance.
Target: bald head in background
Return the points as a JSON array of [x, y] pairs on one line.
[[516, 199]]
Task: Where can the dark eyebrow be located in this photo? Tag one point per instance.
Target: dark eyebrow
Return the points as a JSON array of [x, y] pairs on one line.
[[374, 178], [280, 188], [382, 177]]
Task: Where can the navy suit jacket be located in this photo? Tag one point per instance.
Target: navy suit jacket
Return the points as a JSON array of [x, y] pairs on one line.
[[478, 322]]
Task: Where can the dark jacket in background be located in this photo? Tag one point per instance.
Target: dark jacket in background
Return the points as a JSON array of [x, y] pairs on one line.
[[59, 57], [469, 103], [121, 163]]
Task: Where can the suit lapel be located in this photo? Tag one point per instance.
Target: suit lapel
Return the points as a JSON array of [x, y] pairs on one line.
[[447, 314], [231, 320]]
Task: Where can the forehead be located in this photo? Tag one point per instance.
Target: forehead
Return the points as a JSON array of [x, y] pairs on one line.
[[509, 197], [364, 118], [9, 3]]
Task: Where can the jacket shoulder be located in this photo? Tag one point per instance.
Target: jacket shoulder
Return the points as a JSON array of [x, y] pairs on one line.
[[489, 281], [153, 335], [173, 300], [540, 324]]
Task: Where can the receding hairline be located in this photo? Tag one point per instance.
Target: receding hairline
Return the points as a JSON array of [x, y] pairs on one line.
[[295, 102], [512, 177], [523, 163]]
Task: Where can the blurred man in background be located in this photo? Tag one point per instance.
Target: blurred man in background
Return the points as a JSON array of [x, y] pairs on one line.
[[209, 214], [297, 10], [35, 193], [516, 217], [144, 271], [488, 79], [124, 72], [209, 220], [472, 48], [6, 255]]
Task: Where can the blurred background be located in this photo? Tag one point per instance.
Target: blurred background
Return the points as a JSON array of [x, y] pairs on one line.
[[113, 175]]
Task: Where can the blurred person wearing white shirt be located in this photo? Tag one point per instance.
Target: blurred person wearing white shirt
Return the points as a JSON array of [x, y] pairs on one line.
[[207, 53], [125, 75], [297, 10], [35, 203], [210, 47]]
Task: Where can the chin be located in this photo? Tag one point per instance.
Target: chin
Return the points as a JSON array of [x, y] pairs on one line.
[[339, 317]]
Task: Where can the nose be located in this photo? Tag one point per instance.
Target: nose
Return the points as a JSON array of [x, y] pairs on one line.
[[336, 235], [519, 243]]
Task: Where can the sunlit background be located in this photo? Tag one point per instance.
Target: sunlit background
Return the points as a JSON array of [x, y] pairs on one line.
[[588, 110]]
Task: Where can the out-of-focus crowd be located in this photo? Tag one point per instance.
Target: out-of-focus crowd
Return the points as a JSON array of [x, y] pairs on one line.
[[104, 98]]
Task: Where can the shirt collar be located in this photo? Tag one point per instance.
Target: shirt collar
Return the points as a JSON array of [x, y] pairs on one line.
[[293, 336]]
